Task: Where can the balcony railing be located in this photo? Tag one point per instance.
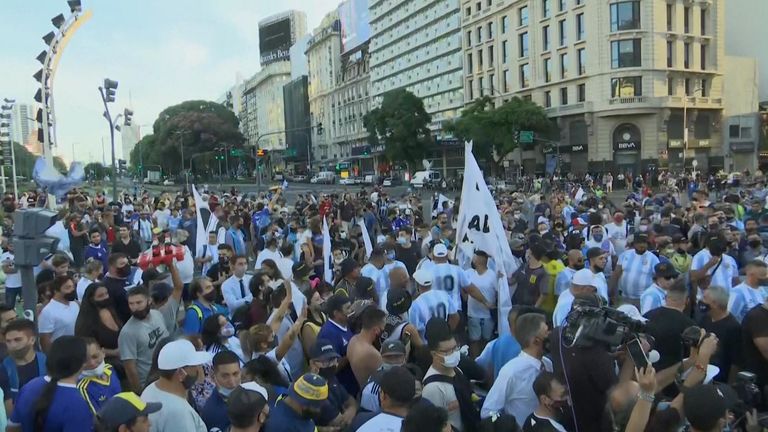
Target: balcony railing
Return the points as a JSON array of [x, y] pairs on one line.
[[627, 100]]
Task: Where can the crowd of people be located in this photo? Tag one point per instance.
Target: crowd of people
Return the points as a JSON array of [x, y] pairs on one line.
[[244, 325]]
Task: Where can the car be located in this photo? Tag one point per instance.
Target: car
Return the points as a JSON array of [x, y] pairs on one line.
[[168, 182], [392, 181], [298, 178], [347, 181], [278, 176]]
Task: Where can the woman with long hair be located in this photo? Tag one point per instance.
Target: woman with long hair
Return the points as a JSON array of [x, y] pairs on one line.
[[98, 320], [218, 334], [315, 316], [53, 402]]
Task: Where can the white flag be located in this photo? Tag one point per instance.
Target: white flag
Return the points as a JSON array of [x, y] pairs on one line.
[[479, 227], [206, 222], [439, 204], [366, 240], [327, 263], [579, 195], [285, 185]]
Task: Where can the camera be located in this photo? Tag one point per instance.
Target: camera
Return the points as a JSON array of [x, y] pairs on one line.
[[588, 326], [747, 389]]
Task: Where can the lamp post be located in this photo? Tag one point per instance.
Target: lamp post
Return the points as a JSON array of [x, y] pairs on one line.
[[108, 93], [685, 122]]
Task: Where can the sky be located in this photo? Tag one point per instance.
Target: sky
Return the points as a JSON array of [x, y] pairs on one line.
[[162, 52]]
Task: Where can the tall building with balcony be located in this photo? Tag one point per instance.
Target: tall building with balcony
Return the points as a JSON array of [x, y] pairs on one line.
[[324, 61], [621, 78], [417, 45], [264, 121]]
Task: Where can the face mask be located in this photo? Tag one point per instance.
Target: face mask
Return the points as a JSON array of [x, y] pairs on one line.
[[519, 253], [681, 251], [542, 231], [578, 266], [141, 314], [227, 331], [225, 391], [452, 360], [391, 255], [328, 372], [70, 296], [703, 307], [189, 381], [643, 228], [402, 240], [754, 244], [210, 297], [96, 372], [343, 235], [598, 237], [124, 271]]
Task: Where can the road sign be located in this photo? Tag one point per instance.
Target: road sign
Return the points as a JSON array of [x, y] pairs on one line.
[[526, 137]]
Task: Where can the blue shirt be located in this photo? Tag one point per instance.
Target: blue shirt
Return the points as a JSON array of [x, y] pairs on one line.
[[563, 280], [653, 297], [99, 253], [67, 412], [193, 323], [214, 413], [97, 391], [339, 338], [260, 219], [236, 239], [743, 298], [283, 418], [505, 349], [637, 272]]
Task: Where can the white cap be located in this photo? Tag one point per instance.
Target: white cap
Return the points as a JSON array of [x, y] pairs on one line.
[[423, 277], [440, 251], [180, 353], [584, 277], [632, 312], [252, 386]]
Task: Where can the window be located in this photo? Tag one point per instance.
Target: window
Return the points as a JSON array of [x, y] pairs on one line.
[[626, 87], [480, 59], [582, 59], [563, 33], [564, 96], [479, 35], [525, 76], [686, 19], [547, 69], [561, 5], [504, 51], [580, 26], [480, 87], [670, 16], [490, 56], [746, 132], [703, 19], [545, 8], [523, 39], [703, 57], [625, 53], [687, 86], [670, 86], [581, 93], [490, 30], [505, 83], [547, 99], [687, 55], [488, 3], [625, 16], [492, 83], [469, 63], [733, 131], [477, 7], [523, 16], [564, 65], [704, 88], [504, 24], [470, 90], [469, 37], [468, 11], [670, 53], [545, 37]]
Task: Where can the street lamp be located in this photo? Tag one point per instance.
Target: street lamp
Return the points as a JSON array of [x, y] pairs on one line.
[[685, 122], [108, 95]]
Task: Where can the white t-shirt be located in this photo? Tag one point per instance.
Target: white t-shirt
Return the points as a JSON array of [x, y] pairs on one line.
[[177, 414], [82, 285], [12, 280], [186, 266], [488, 284], [285, 265], [161, 216], [58, 319], [267, 254], [383, 422], [451, 279]]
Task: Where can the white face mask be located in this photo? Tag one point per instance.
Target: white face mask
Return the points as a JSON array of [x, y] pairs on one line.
[[452, 360], [98, 371]]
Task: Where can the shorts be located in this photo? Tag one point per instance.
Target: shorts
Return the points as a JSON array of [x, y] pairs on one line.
[[479, 328]]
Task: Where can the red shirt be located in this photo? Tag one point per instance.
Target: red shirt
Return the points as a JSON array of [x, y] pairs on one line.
[[324, 207]]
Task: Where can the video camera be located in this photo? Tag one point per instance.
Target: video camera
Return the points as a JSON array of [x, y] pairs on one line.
[[589, 325], [162, 253]]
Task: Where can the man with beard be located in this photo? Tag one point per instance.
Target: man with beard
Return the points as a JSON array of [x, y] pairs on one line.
[[597, 262], [340, 408], [336, 330], [126, 244], [634, 271], [23, 362], [139, 337], [117, 280], [575, 263], [201, 289]]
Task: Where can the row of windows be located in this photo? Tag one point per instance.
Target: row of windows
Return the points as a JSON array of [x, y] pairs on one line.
[[546, 8], [476, 36], [625, 15], [633, 86]]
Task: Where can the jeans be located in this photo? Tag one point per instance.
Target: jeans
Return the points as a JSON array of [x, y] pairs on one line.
[[11, 294]]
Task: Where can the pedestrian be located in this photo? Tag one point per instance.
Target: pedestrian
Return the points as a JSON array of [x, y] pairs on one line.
[[125, 412]]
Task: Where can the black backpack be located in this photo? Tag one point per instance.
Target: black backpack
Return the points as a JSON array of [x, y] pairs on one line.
[[470, 416]]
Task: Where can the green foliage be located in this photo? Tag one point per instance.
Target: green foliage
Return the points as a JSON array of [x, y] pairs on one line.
[[199, 126], [96, 171], [402, 125], [493, 129], [25, 162]]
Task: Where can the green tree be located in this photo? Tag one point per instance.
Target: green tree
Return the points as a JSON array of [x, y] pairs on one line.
[[401, 124], [95, 171], [493, 130]]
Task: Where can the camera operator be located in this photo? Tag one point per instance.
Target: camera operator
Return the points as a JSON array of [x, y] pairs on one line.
[[716, 319], [222, 270]]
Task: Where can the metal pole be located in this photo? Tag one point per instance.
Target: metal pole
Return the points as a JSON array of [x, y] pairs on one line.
[[2, 173], [141, 164], [685, 128], [114, 166], [13, 172]]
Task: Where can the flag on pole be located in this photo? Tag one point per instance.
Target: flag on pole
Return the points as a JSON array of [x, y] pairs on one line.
[[285, 184], [438, 206], [479, 227], [206, 222], [327, 263], [366, 240]]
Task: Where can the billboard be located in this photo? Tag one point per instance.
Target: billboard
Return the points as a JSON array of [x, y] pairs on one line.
[[355, 24], [275, 41]]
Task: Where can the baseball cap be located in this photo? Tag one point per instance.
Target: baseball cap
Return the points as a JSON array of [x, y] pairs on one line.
[[323, 350], [394, 347], [517, 240], [301, 270], [595, 252], [310, 390], [640, 238], [632, 312], [246, 399], [399, 384], [704, 405], [584, 277], [125, 407], [665, 270], [440, 251], [180, 353], [348, 265], [398, 301], [679, 238], [423, 277]]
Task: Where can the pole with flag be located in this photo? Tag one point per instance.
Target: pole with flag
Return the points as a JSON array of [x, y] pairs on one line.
[[206, 222], [327, 263], [480, 228], [366, 240]]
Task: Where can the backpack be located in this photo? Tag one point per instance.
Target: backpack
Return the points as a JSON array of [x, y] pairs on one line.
[[13, 372], [470, 415]]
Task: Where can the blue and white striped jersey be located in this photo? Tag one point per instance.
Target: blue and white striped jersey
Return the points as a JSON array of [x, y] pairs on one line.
[[433, 303], [637, 272], [653, 297], [451, 279], [743, 298], [724, 272], [563, 280]]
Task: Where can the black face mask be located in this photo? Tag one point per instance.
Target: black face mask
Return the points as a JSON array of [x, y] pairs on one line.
[[124, 271], [189, 381], [102, 304], [518, 253], [578, 266], [72, 296], [309, 414], [210, 297], [703, 307], [754, 244], [681, 251], [141, 314], [328, 372]]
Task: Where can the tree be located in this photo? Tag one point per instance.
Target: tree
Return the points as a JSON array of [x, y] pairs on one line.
[[494, 130], [96, 171], [401, 124]]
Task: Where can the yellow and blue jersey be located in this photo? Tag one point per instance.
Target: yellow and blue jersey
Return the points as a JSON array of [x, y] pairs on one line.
[[98, 390]]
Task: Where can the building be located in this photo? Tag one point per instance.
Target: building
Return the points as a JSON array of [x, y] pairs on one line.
[[129, 137], [264, 122], [744, 24], [741, 133], [278, 33], [418, 46], [24, 127], [620, 78], [297, 125], [324, 61]]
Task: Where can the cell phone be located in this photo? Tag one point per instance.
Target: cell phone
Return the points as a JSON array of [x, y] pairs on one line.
[[635, 350]]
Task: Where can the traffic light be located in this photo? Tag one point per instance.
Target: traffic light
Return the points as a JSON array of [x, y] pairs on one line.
[[110, 87], [261, 153], [121, 164], [127, 116], [31, 244]]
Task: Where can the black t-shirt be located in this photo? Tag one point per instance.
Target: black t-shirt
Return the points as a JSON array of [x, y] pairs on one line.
[[666, 325], [408, 256], [728, 332], [535, 423], [755, 325], [132, 249], [26, 373]]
